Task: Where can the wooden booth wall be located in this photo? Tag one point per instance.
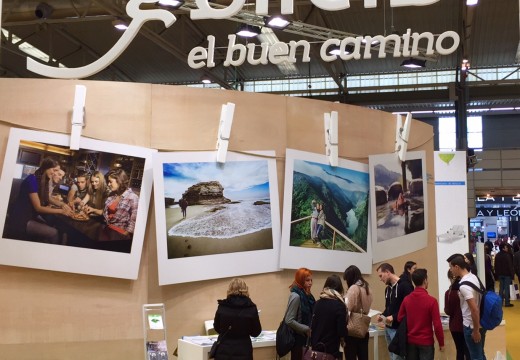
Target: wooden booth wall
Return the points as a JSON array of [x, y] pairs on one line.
[[53, 315]]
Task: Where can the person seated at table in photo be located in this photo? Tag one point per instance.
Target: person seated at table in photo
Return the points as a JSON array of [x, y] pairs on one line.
[[120, 210], [78, 194], [55, 197], [97, 195], [236, 320], [33, 200]]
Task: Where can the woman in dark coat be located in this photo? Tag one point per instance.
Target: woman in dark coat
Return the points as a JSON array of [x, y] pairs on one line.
[[236, 320], [329, 321]]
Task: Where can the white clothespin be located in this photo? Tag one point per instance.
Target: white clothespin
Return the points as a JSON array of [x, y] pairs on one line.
[[78, 115], [224, 131], [331, 137], [402, 133]]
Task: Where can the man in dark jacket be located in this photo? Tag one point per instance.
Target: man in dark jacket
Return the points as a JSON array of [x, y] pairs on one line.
[[505, 272], [396, 290]]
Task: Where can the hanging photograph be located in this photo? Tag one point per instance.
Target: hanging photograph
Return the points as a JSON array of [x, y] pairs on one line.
[[325, 214], [398, 204], [215, 220], [84, 209]]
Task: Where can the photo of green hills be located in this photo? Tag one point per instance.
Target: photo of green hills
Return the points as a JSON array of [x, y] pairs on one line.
[[329, 207]]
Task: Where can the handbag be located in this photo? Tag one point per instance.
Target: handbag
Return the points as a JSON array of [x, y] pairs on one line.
[[216, 344], [358, 322], [309, 354], [284, 339]]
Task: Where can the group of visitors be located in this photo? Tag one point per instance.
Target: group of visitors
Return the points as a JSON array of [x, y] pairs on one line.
[[322, 324], [39, 199]]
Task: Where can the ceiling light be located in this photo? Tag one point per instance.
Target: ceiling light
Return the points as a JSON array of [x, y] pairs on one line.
[[43, 11], [247, 30], [277, 22], [205, 80], [336, 50], [465, 65], [171, 4], [413, 63], [374, 42], [119, 24], [471, 2]]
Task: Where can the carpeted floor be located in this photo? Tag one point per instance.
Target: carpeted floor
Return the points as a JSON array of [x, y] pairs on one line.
[[512, 318]]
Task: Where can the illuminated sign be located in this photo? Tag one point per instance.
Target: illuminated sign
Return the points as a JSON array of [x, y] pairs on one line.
[[405, 45]]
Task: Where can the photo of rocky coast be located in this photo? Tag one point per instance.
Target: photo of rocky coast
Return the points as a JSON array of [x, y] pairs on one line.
[[216, 210]]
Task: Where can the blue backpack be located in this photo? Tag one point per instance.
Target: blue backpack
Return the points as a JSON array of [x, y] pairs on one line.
[[490, 306]]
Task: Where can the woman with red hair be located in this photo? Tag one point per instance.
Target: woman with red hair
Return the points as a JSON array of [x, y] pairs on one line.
[[299, 310]]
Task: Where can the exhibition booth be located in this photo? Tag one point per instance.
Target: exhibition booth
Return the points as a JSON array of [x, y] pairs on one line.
[[58, 300]]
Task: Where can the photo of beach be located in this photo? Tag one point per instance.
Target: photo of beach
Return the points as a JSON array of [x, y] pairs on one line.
[[215, 220], [212, 209]]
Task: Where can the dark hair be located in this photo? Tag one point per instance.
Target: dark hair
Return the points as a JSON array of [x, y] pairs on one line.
[[43, 180], [352, 275], [418, 276], [386, 267], [121, 178], [408, 265], [458, 260], [502, 246], [334, 282], [469, 256]]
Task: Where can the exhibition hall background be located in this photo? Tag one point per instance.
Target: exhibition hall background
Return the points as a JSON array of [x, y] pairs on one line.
[[54, 315]]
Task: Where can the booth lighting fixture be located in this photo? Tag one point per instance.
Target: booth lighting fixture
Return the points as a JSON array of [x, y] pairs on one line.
[[471, 2], [171, 4], [43, 10], [465, 65], [119, 24], [374, 42], [335, 50], [413, 63], [276, 22], [248, 31]]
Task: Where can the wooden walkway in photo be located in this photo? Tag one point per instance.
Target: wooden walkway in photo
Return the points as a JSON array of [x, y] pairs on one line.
[[335, 233]]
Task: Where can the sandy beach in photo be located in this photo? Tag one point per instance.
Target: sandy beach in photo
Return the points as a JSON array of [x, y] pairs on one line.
[[180, 246]]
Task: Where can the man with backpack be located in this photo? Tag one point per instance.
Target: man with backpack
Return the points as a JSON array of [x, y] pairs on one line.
[[474, 334]]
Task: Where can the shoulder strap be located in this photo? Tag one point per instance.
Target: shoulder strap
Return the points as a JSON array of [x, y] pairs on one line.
[[481, 290]]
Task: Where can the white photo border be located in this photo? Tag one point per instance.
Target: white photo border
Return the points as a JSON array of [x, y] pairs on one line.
[[406, 244], [67, 258], [293, 257], [181, 270]]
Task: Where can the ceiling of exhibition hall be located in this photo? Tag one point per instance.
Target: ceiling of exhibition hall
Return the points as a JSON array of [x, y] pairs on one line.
[[76, 33]]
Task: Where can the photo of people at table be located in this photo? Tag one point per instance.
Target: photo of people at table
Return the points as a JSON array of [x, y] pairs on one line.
[[79, 198]]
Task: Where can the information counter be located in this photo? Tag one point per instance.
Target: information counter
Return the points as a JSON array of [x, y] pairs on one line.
[[197, 347]]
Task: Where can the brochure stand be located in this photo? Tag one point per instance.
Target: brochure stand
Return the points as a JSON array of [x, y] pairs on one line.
[[154, 326]]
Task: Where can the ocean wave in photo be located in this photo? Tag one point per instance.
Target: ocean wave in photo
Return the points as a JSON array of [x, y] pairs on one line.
[[225, 221]]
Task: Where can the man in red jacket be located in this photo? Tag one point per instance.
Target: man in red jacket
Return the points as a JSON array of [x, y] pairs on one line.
[[421, 311]]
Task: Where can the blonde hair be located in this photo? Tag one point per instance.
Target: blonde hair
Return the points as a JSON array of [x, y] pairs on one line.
[[237, 286]]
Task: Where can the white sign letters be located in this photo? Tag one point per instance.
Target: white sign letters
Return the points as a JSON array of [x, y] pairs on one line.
[[237, 53]]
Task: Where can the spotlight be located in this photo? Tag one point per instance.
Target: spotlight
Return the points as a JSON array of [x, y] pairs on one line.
[[170, 4], [373, 42], [277, 22], [471, 2], [247, 30], [43, 11], [335, 50], [119, 24], [205, 80], [413, 63]]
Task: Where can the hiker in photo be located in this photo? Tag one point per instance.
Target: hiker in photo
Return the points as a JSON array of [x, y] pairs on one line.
[[474, 335]]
